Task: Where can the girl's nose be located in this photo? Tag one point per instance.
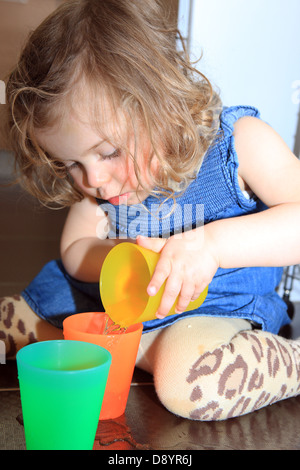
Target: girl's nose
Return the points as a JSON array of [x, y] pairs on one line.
[[97, 176]]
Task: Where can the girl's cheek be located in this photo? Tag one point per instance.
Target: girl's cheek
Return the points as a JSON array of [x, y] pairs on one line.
[[131, 177], [78, 180], [81, 185], [127, 170]]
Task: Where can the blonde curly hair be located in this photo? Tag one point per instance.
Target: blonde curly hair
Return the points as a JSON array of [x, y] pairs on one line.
[[126, 50]]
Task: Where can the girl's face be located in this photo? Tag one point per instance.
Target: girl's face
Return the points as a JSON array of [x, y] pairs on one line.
[[98, 168]]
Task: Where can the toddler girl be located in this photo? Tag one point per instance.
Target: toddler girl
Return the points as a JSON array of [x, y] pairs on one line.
[[108, 117]]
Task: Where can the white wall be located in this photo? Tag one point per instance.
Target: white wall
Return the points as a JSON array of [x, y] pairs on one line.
[[251, 52]]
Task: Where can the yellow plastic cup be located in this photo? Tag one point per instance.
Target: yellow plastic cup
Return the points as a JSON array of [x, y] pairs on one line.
[[124, 278]]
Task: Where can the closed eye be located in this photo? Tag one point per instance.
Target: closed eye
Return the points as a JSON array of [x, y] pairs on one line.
[[74, 165], [114, 154]]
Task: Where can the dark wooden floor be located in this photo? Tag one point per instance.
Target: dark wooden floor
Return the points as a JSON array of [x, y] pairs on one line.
[[29, 237], [147, 425]]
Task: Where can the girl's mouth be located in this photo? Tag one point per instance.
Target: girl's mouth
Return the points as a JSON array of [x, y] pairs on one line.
[[118, 200]]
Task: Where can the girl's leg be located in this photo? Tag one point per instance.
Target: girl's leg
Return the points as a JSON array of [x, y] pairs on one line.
[[20, 326], [208, 368]]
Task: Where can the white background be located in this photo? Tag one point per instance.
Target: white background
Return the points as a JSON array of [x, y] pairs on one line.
[[251, 53]]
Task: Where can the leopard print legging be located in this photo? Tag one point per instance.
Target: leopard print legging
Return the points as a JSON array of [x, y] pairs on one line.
[[213, 369], [20, 326]]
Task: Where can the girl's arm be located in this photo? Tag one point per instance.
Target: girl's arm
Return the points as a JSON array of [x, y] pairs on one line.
[[83, 243], [269, 168], [269, 238]]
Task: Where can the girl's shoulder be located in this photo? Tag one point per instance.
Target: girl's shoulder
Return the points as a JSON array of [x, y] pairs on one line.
[[230, 115]]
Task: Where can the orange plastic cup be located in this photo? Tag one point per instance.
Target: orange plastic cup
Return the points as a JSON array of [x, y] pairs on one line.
[[124, 278], [123, 346]]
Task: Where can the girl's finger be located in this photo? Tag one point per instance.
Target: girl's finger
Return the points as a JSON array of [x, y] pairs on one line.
[[171, 292], [161, 273], [198, 291], [184, 298]]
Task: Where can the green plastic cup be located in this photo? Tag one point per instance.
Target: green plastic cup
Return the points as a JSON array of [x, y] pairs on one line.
[[62, 384]]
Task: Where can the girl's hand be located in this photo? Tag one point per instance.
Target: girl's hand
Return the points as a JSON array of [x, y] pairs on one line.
[[188, 262]]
